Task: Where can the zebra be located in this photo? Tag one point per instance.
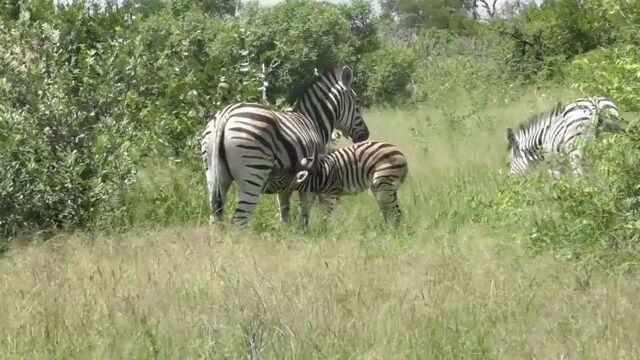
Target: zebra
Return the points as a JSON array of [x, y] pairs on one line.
[[375, 164], [557, 131], [260, 148]]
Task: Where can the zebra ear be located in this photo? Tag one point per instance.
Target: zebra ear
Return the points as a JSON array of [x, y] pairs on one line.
[[301, 176], [347, 76], [511, 138], [336, 134]]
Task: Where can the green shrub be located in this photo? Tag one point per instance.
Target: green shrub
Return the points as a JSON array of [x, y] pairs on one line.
[[304, 35], [62, 159], [546, 36], [389, 72], [188, 67], [165, 193], [470, 67], [613, 72]]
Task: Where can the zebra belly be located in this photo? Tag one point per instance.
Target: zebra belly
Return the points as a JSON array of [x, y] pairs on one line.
[[350, 190]]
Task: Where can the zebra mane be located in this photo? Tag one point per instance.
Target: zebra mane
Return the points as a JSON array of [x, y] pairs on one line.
[[534, 120], [332, 70]]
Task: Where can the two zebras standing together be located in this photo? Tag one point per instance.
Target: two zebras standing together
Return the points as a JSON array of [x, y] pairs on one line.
[[267, 151]]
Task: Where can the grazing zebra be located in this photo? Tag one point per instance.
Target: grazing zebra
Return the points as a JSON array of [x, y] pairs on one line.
[[377, 165], [261, 148], [557, 131]]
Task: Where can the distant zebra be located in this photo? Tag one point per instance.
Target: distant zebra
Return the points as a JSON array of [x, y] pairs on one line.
[[261, 148], [558, 130], [376, 165]]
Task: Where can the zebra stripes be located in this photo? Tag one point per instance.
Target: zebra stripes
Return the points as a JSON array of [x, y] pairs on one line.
[[260, 148], [377, 165], [559, 131]]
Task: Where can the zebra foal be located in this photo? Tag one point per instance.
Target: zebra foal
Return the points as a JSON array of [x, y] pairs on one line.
[[559, 131], [376, 165], [260, 148]]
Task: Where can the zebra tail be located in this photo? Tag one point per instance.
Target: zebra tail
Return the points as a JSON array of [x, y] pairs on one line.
[[218, 167], [406, 172]]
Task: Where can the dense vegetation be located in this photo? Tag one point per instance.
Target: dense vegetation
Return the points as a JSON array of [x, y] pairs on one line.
[[101, 107]]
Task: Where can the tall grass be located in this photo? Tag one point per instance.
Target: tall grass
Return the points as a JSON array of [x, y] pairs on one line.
[[194, 293], [444, 286]]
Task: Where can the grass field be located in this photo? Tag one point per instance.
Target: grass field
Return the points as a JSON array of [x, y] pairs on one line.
[[441, 287]]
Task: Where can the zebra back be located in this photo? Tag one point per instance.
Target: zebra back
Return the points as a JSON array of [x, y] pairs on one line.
[[353, 168]]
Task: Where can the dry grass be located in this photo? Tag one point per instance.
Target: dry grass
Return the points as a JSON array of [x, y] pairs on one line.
[[190, 294], [440, 288]]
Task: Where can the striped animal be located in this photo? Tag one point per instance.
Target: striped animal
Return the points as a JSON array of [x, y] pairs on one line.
[[261, 148], [376, 165], [559, 131]]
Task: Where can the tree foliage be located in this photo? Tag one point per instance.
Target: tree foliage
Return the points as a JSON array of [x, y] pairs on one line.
[[421, 14]]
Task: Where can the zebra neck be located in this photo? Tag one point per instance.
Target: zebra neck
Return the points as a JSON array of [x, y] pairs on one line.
[[321, 108], [534, 137]]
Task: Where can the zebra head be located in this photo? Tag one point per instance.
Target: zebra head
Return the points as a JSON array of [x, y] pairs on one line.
[[349, 119], [608, 115], [519, 159], [332, 103], [312, 166], [307, 166]]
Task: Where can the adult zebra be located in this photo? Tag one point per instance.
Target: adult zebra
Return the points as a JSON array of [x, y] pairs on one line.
[[261, 148], [558, 131]]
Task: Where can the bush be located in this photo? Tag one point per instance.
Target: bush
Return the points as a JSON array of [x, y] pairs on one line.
[[304, 35], [63, 160], [545, 37], [470, 67], [612, 72], [389, 72], [188, 67]]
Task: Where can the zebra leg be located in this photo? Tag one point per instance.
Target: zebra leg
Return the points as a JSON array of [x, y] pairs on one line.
[[388, 204], [329, 202], [576, 163], [306, 199], [249, 190], [250, 173], [284, 205]]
